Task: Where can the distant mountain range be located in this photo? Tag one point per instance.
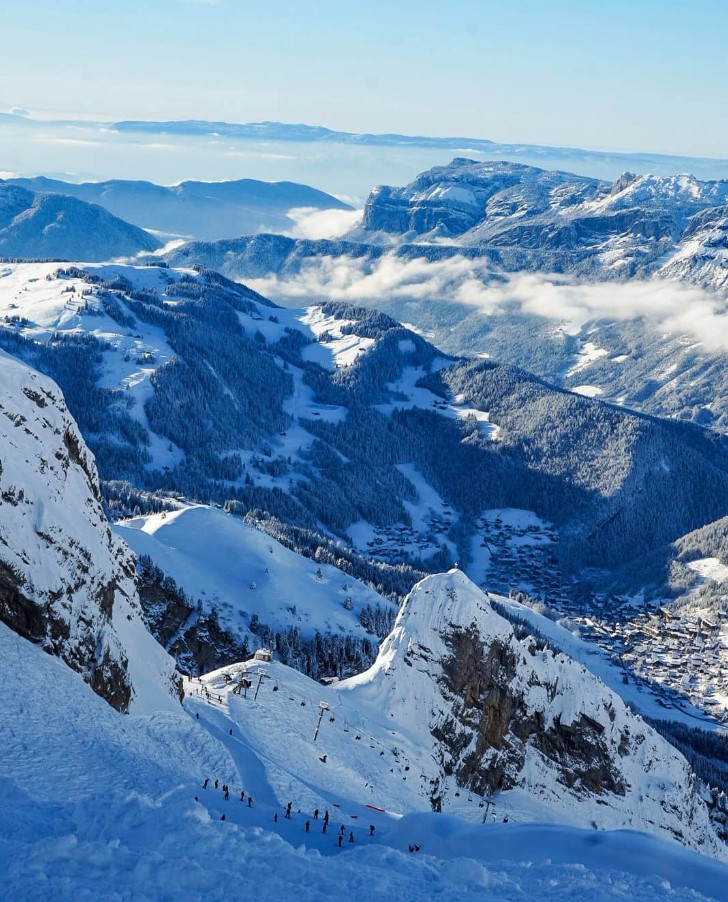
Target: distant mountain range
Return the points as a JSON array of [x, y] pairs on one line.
[[38, 225], [203, 210], [447, 251], [281, 131], [590, 162]]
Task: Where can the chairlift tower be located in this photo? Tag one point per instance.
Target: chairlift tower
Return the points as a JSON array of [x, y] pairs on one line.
[[323, 708], [262, 674]]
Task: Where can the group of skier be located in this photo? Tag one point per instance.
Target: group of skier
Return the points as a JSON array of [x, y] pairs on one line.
[[226, 793], [287, 813], [325, 824]]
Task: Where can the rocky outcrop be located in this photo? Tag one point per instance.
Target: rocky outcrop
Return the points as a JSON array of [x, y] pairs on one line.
[[66, 582], [492, 720], [512, 718], [525, 216]]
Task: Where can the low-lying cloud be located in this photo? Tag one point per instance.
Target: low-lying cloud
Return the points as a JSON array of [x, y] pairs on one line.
[[671, 306], [313, 223]]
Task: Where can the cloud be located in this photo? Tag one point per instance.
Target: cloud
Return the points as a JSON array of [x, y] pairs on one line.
[[19, 111], [313, 223], [672, 307]]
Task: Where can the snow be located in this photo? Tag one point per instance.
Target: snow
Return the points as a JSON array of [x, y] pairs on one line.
[[33, 291], [94, 805], [636, 695], [216, 557], [588, 354], [457, 194], [709, 568], [588, 391], [335, 348], [409, 395], [55, 539], [377, 742]]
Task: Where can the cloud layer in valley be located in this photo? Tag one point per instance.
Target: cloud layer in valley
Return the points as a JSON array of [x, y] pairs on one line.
[[671, 306]]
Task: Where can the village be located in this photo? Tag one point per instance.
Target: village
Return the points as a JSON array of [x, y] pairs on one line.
[[679, 657]]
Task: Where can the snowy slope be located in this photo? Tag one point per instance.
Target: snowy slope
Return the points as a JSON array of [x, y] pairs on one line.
[[94, 805], [242, 571], [441, 719], [65, 581]]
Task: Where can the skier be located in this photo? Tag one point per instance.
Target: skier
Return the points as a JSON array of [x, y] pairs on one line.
[[215, 784], [341, 839], [326, 816], [227, 794], [288, 811], [308, 826], [242, 795], [250, 801], [275, 818], [315, 815], [371, 829], [351, 836], [326, 824], [207, 780], [341, 830]]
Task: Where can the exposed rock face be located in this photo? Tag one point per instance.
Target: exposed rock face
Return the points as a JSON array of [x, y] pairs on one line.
[[490, 714], [512, 716], [66, 582], [503, 204]]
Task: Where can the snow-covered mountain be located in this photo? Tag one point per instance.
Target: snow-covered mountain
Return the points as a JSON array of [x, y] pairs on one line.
[[457, 714], [521, 218], [200, 210], [243, 589], [93, 803], [66, 582], [535, 219], [460, 711], [339, 422], [39, 225], [612, 289]]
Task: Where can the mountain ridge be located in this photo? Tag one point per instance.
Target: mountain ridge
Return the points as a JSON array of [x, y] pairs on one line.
[[194, 209]]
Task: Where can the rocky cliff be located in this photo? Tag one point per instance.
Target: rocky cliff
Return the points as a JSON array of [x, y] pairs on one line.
[[66, 582], [510, 716]]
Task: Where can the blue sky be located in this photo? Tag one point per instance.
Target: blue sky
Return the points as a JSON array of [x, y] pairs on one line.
[[612, 74]]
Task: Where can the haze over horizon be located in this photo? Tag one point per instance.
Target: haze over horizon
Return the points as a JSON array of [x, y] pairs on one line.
[[566, 74]]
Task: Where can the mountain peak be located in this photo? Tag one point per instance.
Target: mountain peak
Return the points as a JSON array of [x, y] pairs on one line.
[[514, 715]]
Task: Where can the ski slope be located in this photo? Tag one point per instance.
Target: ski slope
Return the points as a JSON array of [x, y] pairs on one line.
[[95, 805], [375, 744]]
